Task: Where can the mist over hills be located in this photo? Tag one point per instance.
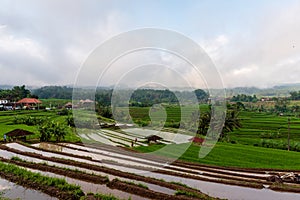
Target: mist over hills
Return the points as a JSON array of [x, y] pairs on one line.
[[276, 91]]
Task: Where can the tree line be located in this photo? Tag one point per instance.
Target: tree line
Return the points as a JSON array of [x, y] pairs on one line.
[[16, 93]]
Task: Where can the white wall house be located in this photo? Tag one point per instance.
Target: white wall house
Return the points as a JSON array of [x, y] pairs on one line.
[[2, 101]]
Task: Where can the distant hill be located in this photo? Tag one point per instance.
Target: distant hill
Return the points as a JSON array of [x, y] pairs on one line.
[[65, 92], [6, 87], [276, 91]]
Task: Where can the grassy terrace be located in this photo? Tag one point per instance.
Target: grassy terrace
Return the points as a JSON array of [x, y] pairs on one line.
[[7, 122], [245, 156], [245, 152], [258, 126]]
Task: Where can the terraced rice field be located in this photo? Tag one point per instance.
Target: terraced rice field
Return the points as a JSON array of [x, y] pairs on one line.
[[125, 137], [255, 124], [126, 174]]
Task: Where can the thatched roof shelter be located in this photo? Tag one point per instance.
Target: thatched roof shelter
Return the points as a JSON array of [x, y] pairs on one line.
[[19, 133], [153, 138]]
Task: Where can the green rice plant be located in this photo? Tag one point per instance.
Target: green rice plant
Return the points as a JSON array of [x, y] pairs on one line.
[[180, 184], [16, 158], [37, 178], [185, 193]]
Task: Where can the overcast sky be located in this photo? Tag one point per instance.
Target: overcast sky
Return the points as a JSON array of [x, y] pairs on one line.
[[252, 43]]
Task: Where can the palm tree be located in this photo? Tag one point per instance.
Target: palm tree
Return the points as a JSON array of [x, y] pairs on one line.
[[232, 122]]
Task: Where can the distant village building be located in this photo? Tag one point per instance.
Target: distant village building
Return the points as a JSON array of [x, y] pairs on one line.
[[5, 104], [87, 101], [68, 106], [3, 101]]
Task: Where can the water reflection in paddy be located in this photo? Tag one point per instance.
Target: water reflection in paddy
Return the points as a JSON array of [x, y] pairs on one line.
[[13, 191]]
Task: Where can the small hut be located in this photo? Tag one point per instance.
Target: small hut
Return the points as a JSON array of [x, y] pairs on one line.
[[18, 133], [153, 138], [68, 106]]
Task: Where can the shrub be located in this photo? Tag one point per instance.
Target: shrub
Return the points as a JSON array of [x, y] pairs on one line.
[[29, 120], [51, 128]]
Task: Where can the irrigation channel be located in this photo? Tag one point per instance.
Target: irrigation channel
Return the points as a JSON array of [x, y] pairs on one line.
[[142, 176]]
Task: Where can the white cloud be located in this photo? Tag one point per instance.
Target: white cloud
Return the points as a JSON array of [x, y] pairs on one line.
[[45, 42], [22, 45], [245, 70], [214, 46], [266, 54]]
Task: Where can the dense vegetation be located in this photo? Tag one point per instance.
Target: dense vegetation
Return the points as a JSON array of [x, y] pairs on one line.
[[16, 93], [56, 92], [140, 97], [244, 98], [38, 121], [295, 95]]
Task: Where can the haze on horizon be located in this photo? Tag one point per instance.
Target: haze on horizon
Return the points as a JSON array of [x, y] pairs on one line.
[[252, 43]]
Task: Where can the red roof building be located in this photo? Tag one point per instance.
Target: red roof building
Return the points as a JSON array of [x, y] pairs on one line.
[[29, 102], [197, 140]]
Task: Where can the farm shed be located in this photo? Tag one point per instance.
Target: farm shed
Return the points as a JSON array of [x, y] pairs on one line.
[[153, 138], [19, 133]]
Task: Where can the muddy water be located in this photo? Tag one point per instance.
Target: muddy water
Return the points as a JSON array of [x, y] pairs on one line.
[[216, 189], [86, 186], [13, 191], [91, 187], [137, 161], [230, 192]]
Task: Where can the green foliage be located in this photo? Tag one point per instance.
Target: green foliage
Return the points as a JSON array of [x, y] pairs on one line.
[[51, 128], [149, 97], [15, 94], [16, 158], [244, 98], [281, 105], [70, 121], [39, 179], [179, 183], [279, 144], [232, 122], [56, 92], [185, 193], [226, 154], [29, 120], [271, 135], [104, 111], [201, 95], [295, 95], [64, 112]]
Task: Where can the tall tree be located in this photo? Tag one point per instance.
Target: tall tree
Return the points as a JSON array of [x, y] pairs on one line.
[[232, 122]]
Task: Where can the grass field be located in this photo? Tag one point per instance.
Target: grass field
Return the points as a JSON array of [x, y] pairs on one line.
[[241, 149], [225, 154], [257, 126], [7, 123]]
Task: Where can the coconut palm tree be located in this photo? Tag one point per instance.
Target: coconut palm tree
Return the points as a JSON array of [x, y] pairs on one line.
[[232, 122]]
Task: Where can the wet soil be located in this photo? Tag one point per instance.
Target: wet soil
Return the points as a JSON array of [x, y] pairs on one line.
[[258, 182], [123, 186]]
